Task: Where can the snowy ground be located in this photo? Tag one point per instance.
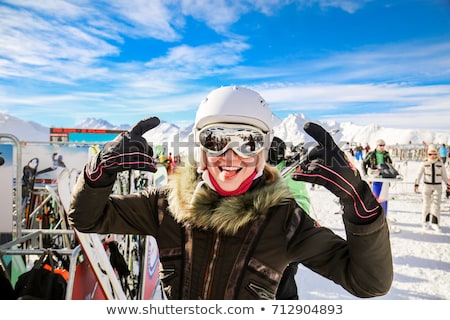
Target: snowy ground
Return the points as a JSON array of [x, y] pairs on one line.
[[421, 258]]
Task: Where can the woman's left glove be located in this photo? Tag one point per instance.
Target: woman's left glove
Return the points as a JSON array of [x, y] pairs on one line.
[[328, 165], [129, 150]]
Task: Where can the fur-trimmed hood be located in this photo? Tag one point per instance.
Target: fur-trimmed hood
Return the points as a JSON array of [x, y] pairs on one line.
[[205, 208]]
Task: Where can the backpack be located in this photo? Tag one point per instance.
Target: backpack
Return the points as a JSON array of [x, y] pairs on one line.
[[39, 283]]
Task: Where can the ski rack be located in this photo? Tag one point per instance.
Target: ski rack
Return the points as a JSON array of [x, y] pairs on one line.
[[22, 236], [27, 240], [25, 244]]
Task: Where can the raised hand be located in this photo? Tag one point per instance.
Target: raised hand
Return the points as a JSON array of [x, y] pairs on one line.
[[328, 165], [128, 151]]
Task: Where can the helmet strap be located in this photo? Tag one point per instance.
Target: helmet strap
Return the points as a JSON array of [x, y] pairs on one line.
[[202, 160]]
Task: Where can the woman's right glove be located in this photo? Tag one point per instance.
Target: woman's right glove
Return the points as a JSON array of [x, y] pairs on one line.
[[328, 165], [129, 150]]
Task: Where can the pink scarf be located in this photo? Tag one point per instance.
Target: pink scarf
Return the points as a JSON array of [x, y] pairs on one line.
[[245, 185]]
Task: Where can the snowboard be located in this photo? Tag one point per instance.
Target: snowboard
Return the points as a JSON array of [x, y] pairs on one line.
[[150, 270], [92, 248]]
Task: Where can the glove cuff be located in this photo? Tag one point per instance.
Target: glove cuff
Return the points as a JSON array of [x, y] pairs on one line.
[[363, 207]]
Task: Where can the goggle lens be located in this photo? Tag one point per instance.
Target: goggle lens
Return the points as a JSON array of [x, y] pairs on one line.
[[245, 141]]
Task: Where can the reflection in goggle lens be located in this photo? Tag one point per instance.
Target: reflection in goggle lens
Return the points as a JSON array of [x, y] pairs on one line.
[[245, 141]]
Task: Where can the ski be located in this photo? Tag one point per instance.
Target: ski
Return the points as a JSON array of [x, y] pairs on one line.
[[91, 246]]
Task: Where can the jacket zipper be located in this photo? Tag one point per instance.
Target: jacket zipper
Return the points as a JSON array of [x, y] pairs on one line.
[[433, 173], [209, 275]]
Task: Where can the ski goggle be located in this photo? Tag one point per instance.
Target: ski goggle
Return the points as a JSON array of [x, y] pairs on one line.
[[246, 141]]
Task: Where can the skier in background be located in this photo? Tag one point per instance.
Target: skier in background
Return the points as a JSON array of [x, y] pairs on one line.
[[434, 175], [443, 152], [359, 152], [373, 165], [374, 159], [170, 164], [366, 149]]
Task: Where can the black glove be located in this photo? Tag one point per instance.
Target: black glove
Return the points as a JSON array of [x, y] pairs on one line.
[[328, 165], [128, 151]]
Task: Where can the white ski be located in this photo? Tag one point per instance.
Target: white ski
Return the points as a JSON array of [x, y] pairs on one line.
[[91, 244]]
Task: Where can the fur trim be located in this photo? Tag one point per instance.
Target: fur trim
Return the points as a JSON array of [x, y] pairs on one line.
[[206, 209]]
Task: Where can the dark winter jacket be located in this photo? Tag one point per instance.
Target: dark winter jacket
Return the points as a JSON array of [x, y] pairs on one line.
[[214, 247], [370, 160]]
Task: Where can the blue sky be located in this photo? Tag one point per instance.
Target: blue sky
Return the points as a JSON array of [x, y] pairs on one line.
[[370, 62]]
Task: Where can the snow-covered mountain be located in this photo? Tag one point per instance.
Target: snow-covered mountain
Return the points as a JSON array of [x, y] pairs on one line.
[[23, 130], [94, 123], [289, 129]]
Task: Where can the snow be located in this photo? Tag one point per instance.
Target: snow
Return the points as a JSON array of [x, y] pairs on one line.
[[421, 258]]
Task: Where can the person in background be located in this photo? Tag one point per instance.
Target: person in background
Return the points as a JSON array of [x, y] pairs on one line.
[[349, 149], [366, 149], [374, 159], [359, 152], [434, 175], [227, 225], [443, 152], [170, 164], [372, 166]]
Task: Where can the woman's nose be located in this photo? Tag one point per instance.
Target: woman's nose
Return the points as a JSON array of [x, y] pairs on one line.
[[230, 156]]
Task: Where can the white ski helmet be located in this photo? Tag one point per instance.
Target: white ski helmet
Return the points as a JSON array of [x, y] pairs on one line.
[[234, 104]]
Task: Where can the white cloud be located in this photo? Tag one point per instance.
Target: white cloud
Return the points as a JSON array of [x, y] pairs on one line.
[[57, 8], [205, 57], [316, 93], [219, 15], [350, 6], [154, 19]]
